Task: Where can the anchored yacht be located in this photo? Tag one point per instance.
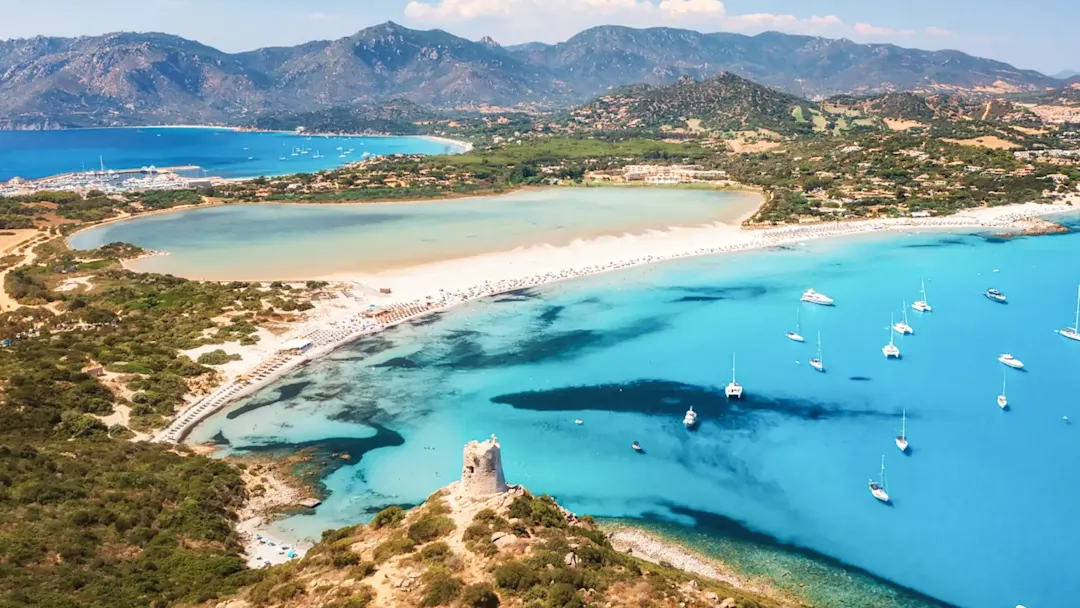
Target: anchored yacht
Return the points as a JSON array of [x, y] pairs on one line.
[[1002, 401], [902, 327], [996, 296], [690, 420], [1011, 361], [922, 305], [901, 439], [814, 297], [734, 390], [890, 350], [877, 488], [817, 362], [795, 335]]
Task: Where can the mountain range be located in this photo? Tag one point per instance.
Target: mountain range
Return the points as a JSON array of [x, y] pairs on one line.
[[131, 78]]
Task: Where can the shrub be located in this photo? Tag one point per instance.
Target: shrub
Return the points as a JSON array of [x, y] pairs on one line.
[[430, 527], [562, 595], [397, 545], [479, 596], [390, 516], [542, 511], [343, 557], [364, 569], [217, 357], [436, 552], [515, 576], [440, 588]]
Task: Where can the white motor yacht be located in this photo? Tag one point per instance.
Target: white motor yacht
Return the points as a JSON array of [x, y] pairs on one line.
[[814, 297], [690, 420], [996, 296], [1011, 361]]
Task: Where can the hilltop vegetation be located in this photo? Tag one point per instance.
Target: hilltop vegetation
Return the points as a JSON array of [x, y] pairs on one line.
[[724, 103], [512, 549]]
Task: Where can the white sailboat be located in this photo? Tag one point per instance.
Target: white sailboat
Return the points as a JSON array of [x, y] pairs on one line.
[[1073, 333], [878, 488], [1002, 401], [796, 335], [733, 390], [901, 440], [890, 350], [902, 327], [922, 305], [817, 362], [690, 419]]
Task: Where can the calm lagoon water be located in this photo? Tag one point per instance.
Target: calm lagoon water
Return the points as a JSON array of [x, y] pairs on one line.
[[985, 505], [220, 152], [287, 241]]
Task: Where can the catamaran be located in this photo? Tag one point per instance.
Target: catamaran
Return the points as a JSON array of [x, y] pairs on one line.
[[795, 335], [1002, 401], [817, 362], [922, 305], [890, 350], [733, 390], [1073, 333], [814, 297], [877, 488], [901, 439], [902, 327], [690, 420]]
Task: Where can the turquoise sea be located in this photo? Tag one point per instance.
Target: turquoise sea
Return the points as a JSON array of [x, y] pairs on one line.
[[218, 152], [289, 241], [984, 511]]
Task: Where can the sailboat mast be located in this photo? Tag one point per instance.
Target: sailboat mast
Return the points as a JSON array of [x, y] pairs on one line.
[[891, 319], [733, 367], [903, 425], [1076, 322]]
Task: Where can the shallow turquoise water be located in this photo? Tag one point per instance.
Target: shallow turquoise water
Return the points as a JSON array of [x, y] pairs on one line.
[[288, 241], [984, 511], [220, 152]]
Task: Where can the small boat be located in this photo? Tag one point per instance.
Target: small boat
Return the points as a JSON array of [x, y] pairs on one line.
[[996, 296], [890, 350], [814, 297], [901, 439], [579, 421], [902, 327], [922, 305], [1073, 333], [817, 362], [795, 335], [283, 158], [734, 390], [877, 488], [1002, 401], [1011, 361], [690, 420], [636, 446]]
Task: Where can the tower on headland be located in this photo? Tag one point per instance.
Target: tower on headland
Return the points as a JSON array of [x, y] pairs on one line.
[[482, 472]]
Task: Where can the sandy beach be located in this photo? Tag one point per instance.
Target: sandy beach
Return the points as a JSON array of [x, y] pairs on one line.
[[421, 290]]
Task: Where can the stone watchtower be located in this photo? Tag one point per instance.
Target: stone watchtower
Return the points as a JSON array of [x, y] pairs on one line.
[[482, 473]]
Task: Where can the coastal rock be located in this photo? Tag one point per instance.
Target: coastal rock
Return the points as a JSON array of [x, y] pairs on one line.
[[571, 559], [728, 603], [482, 472]]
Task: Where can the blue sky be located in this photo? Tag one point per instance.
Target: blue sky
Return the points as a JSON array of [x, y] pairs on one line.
[[1038, 34]]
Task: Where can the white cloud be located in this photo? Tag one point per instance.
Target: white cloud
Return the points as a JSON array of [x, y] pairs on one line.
[[872, 31], [937, 31], [553, 20], [322, 17]]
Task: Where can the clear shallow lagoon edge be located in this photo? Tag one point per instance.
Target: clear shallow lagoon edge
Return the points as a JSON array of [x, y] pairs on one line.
[[289, 241], [221, 152], [984, 511]]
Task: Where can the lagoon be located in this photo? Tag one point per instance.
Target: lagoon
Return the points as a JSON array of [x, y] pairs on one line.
[[305, 241], [983, 511], [217, 152]]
